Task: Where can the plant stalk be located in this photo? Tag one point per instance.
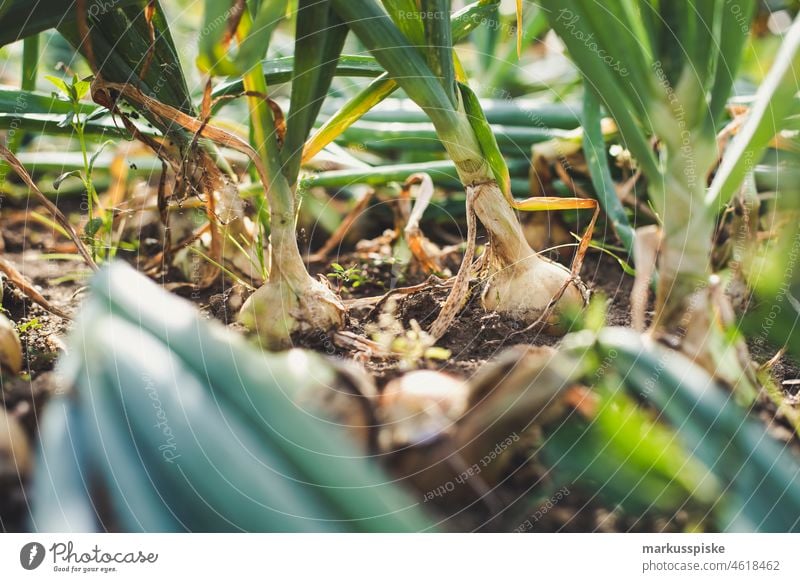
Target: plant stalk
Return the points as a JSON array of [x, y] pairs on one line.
[[689, 308], [291, 301], [682, 307], [508, 243], [284, 252]]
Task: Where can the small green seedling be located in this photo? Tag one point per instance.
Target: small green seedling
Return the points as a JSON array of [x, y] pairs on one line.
[[97, 225], [29, 325], [352, 276]]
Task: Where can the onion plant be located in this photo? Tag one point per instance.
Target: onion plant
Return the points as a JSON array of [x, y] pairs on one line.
[[665, 71], [131, 66], [413, 42], [291, 301]]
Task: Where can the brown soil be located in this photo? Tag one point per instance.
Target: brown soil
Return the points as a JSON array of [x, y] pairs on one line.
[[477, 336]]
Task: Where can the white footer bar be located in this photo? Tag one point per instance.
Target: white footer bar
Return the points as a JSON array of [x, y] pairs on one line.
[[402, 558]]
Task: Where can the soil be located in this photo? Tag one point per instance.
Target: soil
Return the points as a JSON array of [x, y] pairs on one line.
[[475, 338], [42, 341]]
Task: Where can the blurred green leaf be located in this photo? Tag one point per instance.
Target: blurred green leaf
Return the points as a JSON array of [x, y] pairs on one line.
[[237, 455], [774, 101], [759, 476]]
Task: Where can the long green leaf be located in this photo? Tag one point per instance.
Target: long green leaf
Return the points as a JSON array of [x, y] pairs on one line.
[[438, 46], [213, 469], [54, 125], [774, 102], [254, 46], [279, 70], [775, 319], [462, 22], [594, 148], [408, 18], [37, 102], [443, 173], [486, 139], [609, 85], [367, 98], [733, 31], [318, 43], [214, 57], [120, 41], [212, 54], [517, 112], [398, 55], [21, 18]]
